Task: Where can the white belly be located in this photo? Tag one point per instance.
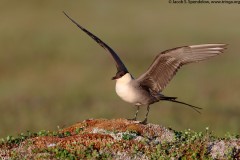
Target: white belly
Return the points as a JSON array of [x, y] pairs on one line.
[[126, 92]]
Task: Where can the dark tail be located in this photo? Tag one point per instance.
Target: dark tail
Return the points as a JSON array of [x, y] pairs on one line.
[[173, 99]]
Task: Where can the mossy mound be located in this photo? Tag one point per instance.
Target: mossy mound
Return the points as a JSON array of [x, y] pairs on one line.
[[119, 139]]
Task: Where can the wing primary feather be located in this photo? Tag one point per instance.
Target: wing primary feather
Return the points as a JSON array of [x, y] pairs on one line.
[[119, 64], [167, 63]]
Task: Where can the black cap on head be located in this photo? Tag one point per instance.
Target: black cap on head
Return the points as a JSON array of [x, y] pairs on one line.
[[119, 74]]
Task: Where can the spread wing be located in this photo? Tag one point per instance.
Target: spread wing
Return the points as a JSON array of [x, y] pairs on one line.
[[167, 63], [119, 64]]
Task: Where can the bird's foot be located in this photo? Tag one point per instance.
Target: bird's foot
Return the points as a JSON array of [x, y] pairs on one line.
[[132, 119], [143, 122]]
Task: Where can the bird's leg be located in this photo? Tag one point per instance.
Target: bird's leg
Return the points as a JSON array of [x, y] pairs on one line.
[[135, 117], [145, 120]]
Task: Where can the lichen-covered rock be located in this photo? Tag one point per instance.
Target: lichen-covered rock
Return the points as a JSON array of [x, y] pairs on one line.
[[223, 149], [118, 139]]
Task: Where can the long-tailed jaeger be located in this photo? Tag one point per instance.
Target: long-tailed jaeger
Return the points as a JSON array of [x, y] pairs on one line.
[[147, 89]]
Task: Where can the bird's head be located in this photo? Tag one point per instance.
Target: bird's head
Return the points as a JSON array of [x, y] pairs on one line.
[[119, 74]]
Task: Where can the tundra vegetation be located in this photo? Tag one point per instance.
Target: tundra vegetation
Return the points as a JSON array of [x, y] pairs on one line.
[[119, 139]]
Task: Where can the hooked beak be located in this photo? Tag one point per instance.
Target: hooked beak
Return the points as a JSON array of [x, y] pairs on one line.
[[113, 78]]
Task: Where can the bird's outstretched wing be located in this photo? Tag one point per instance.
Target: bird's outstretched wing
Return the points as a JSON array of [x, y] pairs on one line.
[[167, 63], [119, 64]]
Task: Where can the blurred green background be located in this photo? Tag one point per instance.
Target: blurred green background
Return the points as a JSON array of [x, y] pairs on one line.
[[52, 74]]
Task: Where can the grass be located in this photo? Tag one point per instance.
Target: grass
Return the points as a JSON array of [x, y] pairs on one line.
[[45, 72]]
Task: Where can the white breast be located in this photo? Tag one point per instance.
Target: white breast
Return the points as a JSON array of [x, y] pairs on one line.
[[125, 90]]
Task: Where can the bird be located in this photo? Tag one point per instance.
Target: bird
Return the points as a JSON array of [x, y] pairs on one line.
[[147, 88]]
